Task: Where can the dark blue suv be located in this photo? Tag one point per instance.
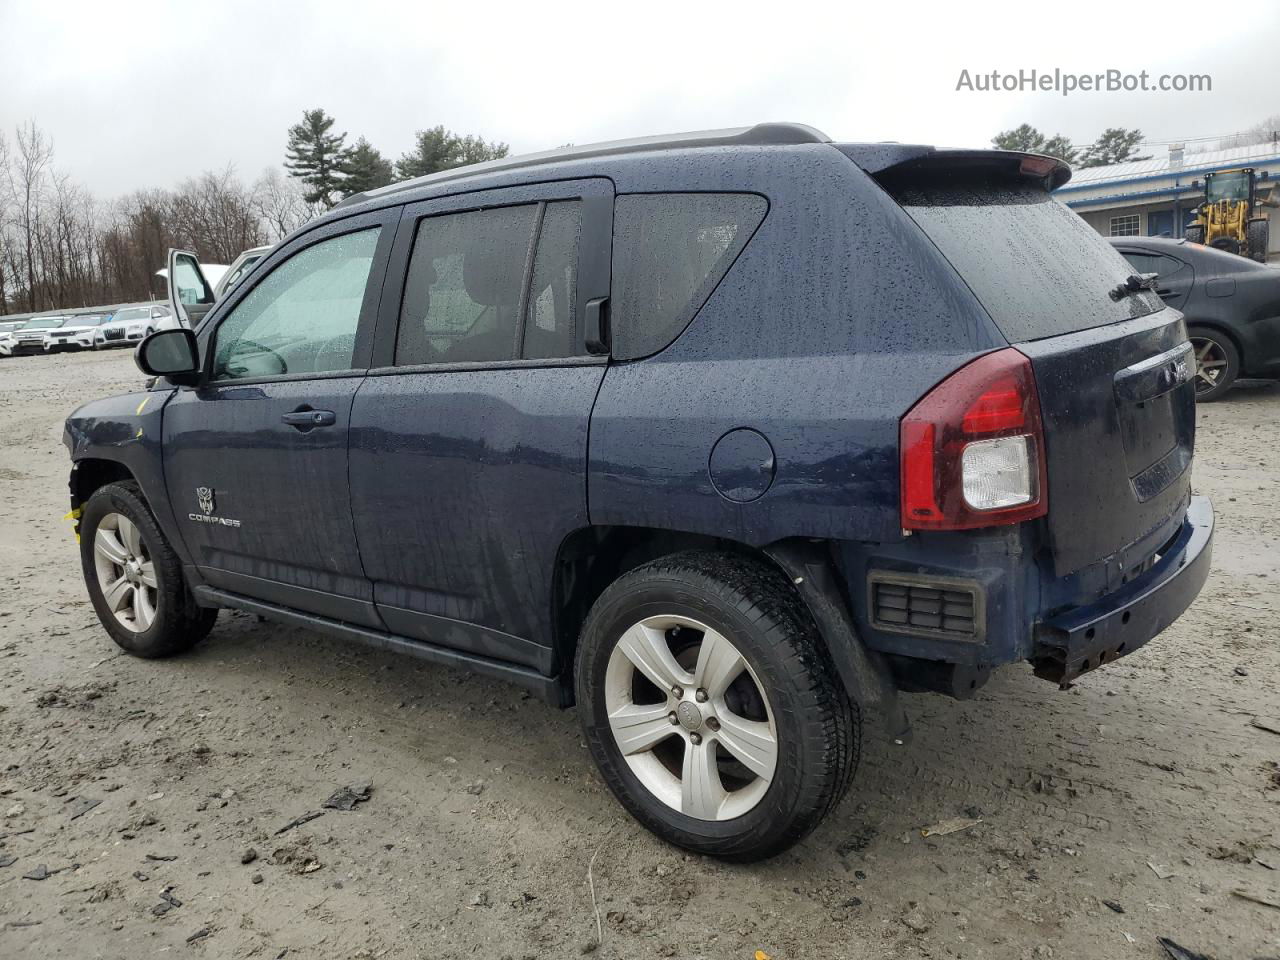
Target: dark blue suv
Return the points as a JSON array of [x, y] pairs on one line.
[[726, 438]]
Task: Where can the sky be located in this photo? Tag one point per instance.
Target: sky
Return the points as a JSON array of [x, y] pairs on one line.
[[138, 94]]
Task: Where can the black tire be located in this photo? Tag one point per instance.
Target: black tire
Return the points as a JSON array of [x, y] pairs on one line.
[[1259, 234], [1226, 244], [1194, 234], [819, 731], [1222, 349], [179, 623]]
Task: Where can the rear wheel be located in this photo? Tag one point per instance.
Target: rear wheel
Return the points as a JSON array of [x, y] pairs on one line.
[[134, 578], [1194, 234], [1226, 244], [1217, 363], [711, 706]]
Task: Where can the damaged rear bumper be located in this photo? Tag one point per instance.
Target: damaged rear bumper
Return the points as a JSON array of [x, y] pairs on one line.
[[1086, 637]]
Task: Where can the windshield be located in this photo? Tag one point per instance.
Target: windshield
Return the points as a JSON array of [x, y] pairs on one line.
[[1227, 186], [1037, 268], [132, 313], [44, 323], [92, 320]]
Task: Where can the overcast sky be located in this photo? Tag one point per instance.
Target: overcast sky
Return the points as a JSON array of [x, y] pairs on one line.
[[140, 94]]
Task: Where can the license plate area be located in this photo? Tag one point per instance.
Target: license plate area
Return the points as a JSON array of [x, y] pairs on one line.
[[1155, 402]]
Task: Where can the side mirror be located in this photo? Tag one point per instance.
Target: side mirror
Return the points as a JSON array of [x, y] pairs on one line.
[[170, 353]]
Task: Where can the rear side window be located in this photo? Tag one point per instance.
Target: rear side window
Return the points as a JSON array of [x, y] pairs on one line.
[[463, 292], [1037, 268], [1153, 263], [669, 252]]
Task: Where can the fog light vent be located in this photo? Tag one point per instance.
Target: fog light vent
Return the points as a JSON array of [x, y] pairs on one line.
[[926, 606]]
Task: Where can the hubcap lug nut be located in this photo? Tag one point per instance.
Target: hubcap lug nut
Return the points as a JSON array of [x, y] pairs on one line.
[[701, 695], [673, 718], [713, 724], [695, 738], [677, 692]]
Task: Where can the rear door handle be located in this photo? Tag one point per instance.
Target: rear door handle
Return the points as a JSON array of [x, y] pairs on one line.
[[309, 419]]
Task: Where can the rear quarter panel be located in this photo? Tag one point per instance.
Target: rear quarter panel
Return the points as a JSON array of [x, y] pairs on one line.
[[836, 317]]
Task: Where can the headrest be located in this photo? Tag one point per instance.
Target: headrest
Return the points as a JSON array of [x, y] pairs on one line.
[[493, 266]]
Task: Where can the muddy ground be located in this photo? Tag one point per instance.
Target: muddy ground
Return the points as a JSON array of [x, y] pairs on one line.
[[142, 787]]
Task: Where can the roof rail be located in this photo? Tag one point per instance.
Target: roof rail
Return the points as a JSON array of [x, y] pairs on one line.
[[762, 134]]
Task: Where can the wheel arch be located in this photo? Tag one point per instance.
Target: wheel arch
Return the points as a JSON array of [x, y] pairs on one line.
[[591, 558], [91, 474]]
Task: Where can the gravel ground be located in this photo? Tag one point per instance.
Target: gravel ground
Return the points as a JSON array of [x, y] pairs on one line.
[[154, 794]]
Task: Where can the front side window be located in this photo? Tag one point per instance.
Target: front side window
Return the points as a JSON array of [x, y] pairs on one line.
[[302, 317], [669, 252], [463, 291]]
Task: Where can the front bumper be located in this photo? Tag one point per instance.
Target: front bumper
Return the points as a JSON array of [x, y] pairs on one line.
[[1086, 637]]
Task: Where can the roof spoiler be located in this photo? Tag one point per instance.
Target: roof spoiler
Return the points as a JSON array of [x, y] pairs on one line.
[[901, 164]]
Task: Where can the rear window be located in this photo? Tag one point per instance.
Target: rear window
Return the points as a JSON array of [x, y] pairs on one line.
[[1037, 268], [669, 252]]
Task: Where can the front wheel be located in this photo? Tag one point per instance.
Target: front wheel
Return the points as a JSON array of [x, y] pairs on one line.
[[711, 706], [134, 578]]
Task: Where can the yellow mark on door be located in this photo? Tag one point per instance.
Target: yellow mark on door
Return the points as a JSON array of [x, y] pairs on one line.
[[145, 401]]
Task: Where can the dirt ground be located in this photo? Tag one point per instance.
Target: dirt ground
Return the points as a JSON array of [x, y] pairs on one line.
[[1131, 807]]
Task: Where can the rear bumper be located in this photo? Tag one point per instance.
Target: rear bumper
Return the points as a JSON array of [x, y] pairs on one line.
[[1086, 637]]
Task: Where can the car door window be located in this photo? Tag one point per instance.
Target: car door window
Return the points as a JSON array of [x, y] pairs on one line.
[[302, 317], [550, 327], [463, 291]]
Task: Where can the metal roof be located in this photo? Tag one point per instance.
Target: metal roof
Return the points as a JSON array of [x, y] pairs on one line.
[[1192, 163]]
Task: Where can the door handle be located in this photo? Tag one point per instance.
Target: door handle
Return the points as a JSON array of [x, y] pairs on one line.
[[308, 419]]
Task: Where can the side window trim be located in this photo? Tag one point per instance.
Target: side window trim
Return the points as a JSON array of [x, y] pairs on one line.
[[386, 219], [594, 258]]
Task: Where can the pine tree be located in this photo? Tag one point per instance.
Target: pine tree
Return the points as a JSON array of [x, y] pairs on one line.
[[1060, 147], [1028, 139], [317, 157], [1116, 145], [366, 169], [440, 149], [1025, 138]]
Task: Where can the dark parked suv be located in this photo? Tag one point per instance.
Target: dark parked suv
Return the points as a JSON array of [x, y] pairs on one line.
[[726, 438]]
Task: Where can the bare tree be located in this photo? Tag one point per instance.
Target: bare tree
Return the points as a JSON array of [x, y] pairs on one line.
[[280, 204], [27, 175]]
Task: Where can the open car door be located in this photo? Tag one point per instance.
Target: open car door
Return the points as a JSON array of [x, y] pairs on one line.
[[190, 294]]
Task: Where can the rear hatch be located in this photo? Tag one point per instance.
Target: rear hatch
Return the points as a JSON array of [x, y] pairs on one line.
[[1112, 369]]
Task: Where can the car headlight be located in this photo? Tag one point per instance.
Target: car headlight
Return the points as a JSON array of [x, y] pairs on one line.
[[135, 328]]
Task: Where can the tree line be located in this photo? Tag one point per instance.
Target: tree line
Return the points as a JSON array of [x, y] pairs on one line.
[[1115, 145], [330, 170], [61, 247]]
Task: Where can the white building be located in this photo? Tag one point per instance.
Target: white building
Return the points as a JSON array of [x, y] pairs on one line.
[[1158, 197]]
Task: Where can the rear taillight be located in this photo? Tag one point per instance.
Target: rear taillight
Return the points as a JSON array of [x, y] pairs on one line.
[[973, 448]]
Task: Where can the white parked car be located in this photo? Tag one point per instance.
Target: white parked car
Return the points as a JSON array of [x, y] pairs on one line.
[[75, 333], [129, 325], [29, 338]]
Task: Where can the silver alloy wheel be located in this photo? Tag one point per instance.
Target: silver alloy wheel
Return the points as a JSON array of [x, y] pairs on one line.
[[684, 735], [126, 573], [1211, 363]]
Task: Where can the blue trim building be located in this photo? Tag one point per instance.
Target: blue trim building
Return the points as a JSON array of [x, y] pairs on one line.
[[1157, 197]]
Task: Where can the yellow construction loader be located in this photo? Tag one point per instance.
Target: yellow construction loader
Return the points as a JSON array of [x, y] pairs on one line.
[[1231, 218]]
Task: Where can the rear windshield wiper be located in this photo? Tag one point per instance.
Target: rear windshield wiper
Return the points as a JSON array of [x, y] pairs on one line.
[[1134, 283]]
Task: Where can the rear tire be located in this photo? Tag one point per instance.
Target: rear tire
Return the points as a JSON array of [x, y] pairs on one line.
[[782, 708], [1217, 363], [134, 578], [1194, 234], [1226, 245]]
